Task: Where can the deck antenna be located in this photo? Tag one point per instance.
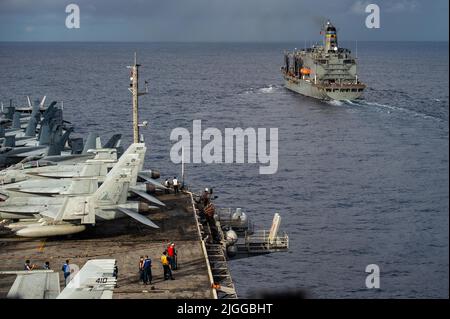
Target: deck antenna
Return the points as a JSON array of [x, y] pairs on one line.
[[182, 166], [134, 89], [2, 107], [62, 105], [356, 64]]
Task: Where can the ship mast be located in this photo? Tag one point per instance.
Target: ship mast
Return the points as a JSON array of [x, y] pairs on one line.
[[356, 64], [134, 89]]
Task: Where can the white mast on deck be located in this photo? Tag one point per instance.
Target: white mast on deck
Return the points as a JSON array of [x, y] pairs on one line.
[[356, 64], [134, 89], [182, 165]]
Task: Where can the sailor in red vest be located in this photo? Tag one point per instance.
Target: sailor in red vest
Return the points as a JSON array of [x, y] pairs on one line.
[[172, 254]]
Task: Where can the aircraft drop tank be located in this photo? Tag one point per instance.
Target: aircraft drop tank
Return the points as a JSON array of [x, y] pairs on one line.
[[50, 230]]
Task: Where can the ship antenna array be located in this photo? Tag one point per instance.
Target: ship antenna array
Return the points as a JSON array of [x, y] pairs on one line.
[[356, 65], [134, 89]]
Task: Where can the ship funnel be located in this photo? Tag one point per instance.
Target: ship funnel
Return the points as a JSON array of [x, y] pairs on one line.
[[330, 40]]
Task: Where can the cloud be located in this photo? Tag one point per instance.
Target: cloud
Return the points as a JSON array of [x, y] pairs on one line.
[[218, 20], [398, 6], [359, 7], [402, 6]]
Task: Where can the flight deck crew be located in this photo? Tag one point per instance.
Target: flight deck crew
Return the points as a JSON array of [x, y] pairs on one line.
[[116, 273], [28, 266], [206, 197], [147, 271], [167, 186], [209, 214], [141, 269], [116, 270], [46, 266], [176, 186], [172, 255], [66, 271], [166, 266]]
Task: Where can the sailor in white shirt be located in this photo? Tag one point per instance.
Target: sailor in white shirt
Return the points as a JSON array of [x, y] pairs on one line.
[[176, 186]]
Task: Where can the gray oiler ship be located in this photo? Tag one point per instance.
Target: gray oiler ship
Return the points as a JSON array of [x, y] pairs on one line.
[[325, 72]]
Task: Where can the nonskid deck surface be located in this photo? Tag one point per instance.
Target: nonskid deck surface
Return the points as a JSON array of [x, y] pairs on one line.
[[125, 240]]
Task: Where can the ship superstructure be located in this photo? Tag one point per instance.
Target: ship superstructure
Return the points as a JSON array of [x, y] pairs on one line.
[[325, 71]]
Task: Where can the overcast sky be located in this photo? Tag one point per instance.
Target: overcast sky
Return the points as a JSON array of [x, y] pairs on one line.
[[221, 20]]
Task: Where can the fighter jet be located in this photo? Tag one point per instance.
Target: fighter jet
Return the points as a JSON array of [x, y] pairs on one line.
[[7, 113], [54, 216], [100, 161], [11, 155], [42, 136], [51, 140], [24, 126], [98, 166], [88, 151], [92, 173]]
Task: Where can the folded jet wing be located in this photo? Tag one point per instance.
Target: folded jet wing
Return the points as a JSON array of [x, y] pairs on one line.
[[140, 192], [144, 220], [94, 281], [150, 180], [36, 284]]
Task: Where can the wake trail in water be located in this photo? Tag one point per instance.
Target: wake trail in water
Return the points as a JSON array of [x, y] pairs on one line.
[[269, 89], [335, 103], [264, 90], [390, 108]]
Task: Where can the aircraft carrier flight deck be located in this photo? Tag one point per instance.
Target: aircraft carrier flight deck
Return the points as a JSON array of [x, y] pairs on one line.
[[124, 240]]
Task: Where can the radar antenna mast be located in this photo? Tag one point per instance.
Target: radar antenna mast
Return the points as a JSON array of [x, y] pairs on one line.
[[134, 89]]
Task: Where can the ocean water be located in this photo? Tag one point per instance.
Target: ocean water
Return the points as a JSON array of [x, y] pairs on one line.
[[358, 183]]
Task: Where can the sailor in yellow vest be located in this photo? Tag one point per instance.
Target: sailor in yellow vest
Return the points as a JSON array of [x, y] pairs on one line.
[[166, 266]]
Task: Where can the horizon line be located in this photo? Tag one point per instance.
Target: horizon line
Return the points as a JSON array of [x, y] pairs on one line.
[[206, 42]]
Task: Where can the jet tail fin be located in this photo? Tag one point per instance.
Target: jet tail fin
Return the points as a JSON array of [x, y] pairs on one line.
[[16, 121], [45, 133], [92, 142], [31, 127], [10, 141], [118, 180], [114, 141], [57, 147], [76, 144], [140, 149], [49, 111]]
